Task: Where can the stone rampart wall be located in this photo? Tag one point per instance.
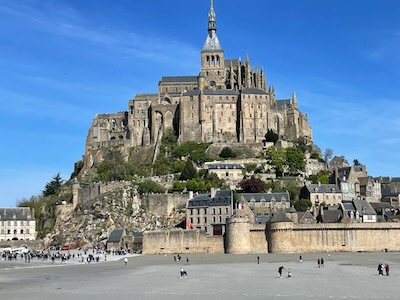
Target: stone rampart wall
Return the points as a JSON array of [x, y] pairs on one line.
[[181, 241], [163, 204], [289, 237]]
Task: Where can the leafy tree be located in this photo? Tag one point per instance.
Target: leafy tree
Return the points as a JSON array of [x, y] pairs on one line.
[[149, 186], [162, 166], [295, 159], [113, 166], [303, 145], [227, 152], [302, 204], [253, 185], [179, 186], [189, 172], [328, 154], [322, 177], [53, 186], [276, 158], [169, 137], [271, 136], [212, 180], [195, 151]]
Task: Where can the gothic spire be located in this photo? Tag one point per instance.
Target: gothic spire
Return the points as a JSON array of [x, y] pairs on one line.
[[294, 99], [212, 24], [212, 43]]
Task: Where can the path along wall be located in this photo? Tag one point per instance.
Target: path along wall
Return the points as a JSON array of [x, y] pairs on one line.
[[288, 237], [181, 241]]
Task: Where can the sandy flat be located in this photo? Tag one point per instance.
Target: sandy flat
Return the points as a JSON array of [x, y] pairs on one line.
[[344, 276]]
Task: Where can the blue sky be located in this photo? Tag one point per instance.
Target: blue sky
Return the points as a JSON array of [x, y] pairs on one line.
[[62, 62]]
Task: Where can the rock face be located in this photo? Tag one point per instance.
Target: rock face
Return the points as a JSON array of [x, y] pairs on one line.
[[91, 222]]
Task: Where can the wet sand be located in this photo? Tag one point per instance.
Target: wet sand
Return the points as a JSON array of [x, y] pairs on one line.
[[210, 276]]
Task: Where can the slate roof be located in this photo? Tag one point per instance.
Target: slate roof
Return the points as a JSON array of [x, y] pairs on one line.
[[234, 61], [116, 236], [212, 43], [253, 91], [280, 217], [222, 198], [179, 79], [381, 205], [211, 92], [331, 216], [268, 197], [19, 213], [280, 104], [323, 188], [363, 207], [224, 166]]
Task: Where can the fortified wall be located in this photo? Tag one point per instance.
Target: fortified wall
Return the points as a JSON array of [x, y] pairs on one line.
[[285, 237], [181, 241]]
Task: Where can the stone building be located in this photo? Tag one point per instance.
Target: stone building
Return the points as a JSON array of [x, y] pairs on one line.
[[209, 212], [230, 172], [17, 224], [260, 207], [330, 194], [228, 101]]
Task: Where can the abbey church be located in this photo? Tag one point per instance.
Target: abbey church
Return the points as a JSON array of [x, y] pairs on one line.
[[227, 102]]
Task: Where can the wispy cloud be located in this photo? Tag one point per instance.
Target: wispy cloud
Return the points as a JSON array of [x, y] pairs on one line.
[[59, 19], [387, 49]]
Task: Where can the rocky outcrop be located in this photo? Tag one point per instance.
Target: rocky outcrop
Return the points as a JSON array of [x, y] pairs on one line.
[[91, 222]]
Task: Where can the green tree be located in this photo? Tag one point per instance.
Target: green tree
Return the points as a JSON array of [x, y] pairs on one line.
[[302, 204], [149, 186], [53, 186], [189, 172], [277, 158], [322, 177], [113, 166], [179, 186], [271, 136], [295, 159], [227, 152]]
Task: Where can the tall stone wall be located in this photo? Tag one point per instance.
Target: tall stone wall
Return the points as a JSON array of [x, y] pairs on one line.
[[163, 204], [288, 237], [181, 241]]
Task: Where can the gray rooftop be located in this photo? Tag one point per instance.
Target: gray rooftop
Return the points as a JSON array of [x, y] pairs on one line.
[[323, 188], [179, 79], [116, 236], [211, 92], [221, 198], [19, 213], [268, 197], [224, 166]]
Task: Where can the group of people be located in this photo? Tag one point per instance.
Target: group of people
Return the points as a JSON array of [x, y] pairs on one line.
[[382, 267], [280, 270]]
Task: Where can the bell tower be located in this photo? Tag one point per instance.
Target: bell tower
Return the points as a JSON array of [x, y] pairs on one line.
[[212, 56]]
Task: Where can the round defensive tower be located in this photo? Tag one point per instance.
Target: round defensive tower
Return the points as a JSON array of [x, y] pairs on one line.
[[237, 235], [279, 234]]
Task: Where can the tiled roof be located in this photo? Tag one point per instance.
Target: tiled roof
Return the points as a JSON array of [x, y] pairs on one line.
[[268, 197], [19, 213], [116, 236], [179, 79], [280, 217], [224, 166], [221, 198], [323, 188]]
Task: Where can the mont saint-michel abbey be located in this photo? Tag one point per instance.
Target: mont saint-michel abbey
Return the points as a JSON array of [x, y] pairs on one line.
[[227, 102]]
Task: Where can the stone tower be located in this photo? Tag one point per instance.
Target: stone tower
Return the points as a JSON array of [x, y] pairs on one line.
[[212, 56]]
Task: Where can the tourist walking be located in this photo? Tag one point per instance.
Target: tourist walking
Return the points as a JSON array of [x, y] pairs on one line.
[[126, 261], [187, 260], [322, 262], [301, 259], [258, 260], [387, 269], [280, 271], [380, 269], [319, 263]]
